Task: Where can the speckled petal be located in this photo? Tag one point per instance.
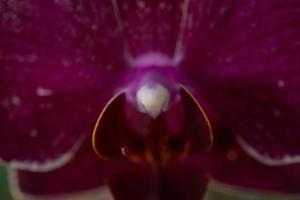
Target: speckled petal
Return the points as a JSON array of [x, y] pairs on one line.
[[57, 69], [229, 164], [84, 174], [150, 26], [243, 58]]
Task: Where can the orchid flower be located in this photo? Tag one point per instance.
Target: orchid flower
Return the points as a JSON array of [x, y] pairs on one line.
[[149, 99]]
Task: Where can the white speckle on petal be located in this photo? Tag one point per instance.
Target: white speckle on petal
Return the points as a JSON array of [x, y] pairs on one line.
[[94, 27], [162, 5], [277, 113], [43, 92], [16, 101], [79, 7], [33, 133], [281, 83], [141, 4], [123, 150], [228, 59]]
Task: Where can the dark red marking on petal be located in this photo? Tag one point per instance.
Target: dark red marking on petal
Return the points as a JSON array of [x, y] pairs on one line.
[[107, 135], [197, 122], [123, 131]]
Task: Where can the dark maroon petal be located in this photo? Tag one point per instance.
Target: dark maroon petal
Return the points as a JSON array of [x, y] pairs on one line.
[[123, 131], [85, 172], [176, 182], [243, 59], [197, 123], [58, 66], [150, 26], [110, 128], [228, 163]]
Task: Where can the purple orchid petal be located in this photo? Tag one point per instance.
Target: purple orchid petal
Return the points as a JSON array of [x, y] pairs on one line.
[[243, 59], [84, 173], [57, 69], [149, 26], [176, 182], [228, 163], [61, 61]]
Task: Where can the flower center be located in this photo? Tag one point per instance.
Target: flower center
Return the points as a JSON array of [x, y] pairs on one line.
[[153, 99], [156, 128]]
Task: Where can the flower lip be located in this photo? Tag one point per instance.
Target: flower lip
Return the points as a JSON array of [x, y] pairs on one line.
[[123, 131]]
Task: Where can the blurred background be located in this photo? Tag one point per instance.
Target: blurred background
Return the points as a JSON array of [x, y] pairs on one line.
[[4, 192], [214, 192]]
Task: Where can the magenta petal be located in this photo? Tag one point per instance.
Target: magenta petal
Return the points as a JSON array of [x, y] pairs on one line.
[[176, 182], [243, 60], [84, 172], [228, 163], [150, 26], [56, 73]]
